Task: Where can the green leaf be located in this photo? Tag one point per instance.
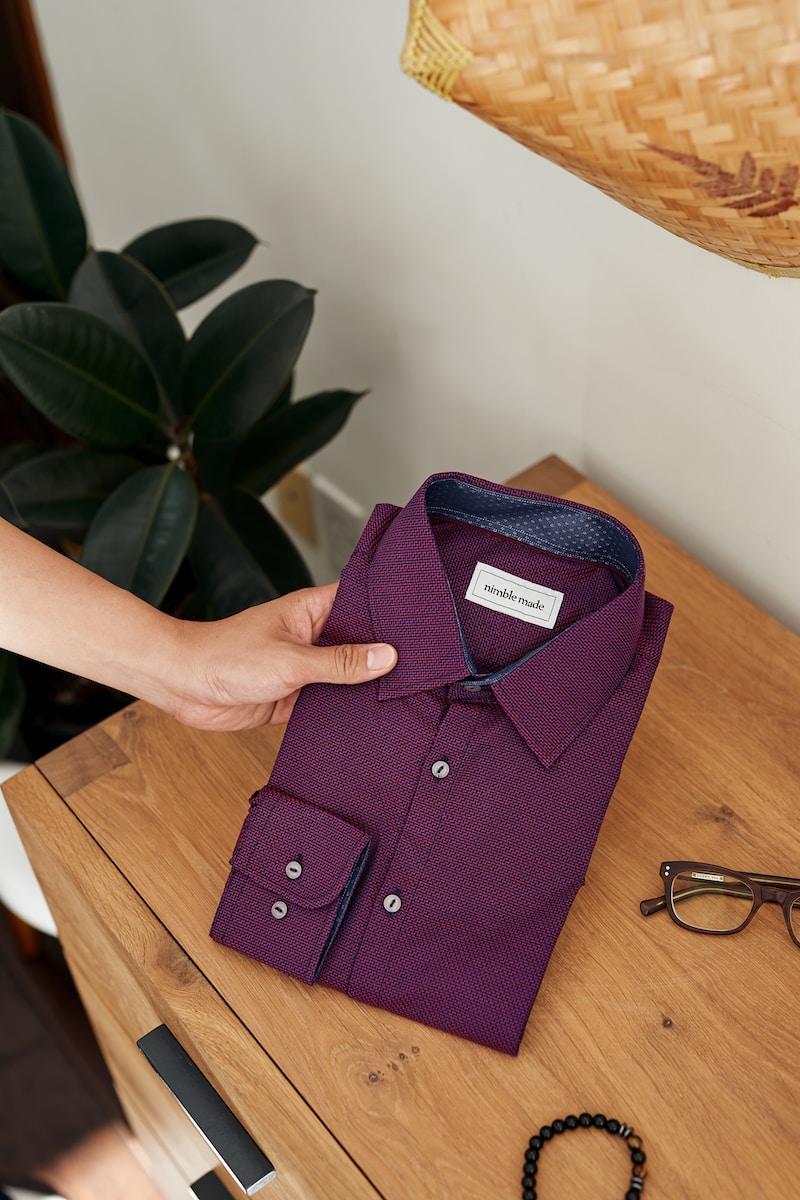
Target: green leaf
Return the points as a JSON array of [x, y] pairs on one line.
[[240, 357], [289, 436], [7, 510], [283, 398], [193, 257], [42, 230], [142, 532], [215, 459], [241, 556], [132, 301], [79, 372], [214, 462], [63, 489], [11, 456], [12, 700]]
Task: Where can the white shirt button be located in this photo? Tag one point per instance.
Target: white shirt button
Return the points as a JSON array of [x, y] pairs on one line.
[[392, 903], [293, 869], [279, 910], [440, 768]]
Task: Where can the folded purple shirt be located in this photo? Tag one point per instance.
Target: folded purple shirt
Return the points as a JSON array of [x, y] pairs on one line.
[[422, 836]]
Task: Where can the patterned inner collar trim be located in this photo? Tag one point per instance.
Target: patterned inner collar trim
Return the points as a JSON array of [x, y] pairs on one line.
[[432, 647]]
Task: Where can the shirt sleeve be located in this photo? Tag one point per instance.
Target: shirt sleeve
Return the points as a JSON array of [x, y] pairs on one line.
[[294, 870]]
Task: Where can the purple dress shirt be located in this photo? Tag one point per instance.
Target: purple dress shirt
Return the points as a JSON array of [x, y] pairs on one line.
[[422, 836]]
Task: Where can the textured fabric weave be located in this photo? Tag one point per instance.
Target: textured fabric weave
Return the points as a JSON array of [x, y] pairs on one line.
[[438, 892]]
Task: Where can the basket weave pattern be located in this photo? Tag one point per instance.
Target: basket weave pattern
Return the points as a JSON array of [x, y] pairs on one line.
[[688, 113]]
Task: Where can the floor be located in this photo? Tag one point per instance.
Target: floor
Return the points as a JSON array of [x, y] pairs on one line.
[[61, 1129]]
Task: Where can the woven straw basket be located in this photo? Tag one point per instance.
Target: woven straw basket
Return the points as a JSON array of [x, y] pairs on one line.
[[686, 111]]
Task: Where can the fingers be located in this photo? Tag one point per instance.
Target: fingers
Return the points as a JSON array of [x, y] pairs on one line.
[[346, 664], [381, 657], [312, 605], [321, 605]]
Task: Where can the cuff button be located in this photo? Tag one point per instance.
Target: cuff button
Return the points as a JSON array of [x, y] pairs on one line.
[[279, 910], [293, 869]]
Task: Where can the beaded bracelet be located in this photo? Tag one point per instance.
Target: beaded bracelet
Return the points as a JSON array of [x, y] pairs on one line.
[[633, 1142]]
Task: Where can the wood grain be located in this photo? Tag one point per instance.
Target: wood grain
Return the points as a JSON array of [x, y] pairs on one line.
[[552, 476], [81, 761], [132, 976], [670, 1031]]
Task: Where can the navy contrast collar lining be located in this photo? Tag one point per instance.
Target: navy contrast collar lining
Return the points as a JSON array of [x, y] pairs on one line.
[[435, 653]]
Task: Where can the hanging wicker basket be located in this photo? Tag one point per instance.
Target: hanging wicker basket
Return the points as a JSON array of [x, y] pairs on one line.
[[686, 112]]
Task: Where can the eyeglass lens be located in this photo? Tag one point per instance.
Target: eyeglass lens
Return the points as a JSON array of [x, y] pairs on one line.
[[794, 918], [714, 901]]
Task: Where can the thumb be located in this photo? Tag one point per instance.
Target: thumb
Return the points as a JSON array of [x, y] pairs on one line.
[[348, 663]]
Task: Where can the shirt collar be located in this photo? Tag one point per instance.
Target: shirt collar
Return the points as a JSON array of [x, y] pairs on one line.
[[550, 695]]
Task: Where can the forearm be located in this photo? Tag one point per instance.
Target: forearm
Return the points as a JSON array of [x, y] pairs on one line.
[[235, 673], [57, 612]]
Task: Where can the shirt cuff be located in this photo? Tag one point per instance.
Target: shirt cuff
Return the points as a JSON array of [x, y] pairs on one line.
[[295, 867]]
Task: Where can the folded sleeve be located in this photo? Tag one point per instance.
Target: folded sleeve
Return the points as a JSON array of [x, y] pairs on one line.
[[293, 872]]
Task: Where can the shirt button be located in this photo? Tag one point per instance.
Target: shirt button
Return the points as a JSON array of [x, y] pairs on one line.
[[440, 768], [279, 910], [294, 869], [392, 903]]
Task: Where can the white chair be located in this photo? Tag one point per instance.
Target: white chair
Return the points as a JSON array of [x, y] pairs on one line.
[[15, 1193], [19, 887]]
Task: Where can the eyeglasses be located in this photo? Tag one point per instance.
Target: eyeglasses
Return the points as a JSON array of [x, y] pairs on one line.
[[711, 899]]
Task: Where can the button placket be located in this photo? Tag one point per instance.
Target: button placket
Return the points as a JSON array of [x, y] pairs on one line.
[[395, 900]]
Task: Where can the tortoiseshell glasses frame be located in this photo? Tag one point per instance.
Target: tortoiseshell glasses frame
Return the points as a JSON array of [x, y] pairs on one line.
[[717, 900]]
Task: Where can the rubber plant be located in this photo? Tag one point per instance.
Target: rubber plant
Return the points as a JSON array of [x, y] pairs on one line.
[[149, 451]]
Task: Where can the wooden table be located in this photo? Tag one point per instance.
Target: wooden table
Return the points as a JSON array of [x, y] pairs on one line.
[[693, 1040]]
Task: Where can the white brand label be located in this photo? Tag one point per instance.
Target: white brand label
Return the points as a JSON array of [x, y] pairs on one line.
[[711, 878], [516, 597]]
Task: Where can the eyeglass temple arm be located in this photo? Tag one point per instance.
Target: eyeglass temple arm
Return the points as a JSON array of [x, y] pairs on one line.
[[648, 907]]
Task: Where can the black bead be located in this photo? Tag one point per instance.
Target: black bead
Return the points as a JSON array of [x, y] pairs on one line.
[[585, 1119], [558, 1126], [545, 1133], [612, 1126], [535, 1143], [528, 1194], [531, 1155], [530, 1170], [599, 1121], [638, 1156], [571, 1121], [631, 1195]]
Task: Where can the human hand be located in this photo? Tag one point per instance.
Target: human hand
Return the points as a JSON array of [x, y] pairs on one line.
[[236, 673], [247, 670]]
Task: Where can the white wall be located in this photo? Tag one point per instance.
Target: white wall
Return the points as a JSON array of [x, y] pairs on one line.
[[498, 308]]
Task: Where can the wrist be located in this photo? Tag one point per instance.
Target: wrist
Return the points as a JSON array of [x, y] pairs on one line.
[[140, 651], [159, 668]]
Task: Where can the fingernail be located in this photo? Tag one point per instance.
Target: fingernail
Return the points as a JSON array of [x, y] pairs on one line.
[[379, 656]]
